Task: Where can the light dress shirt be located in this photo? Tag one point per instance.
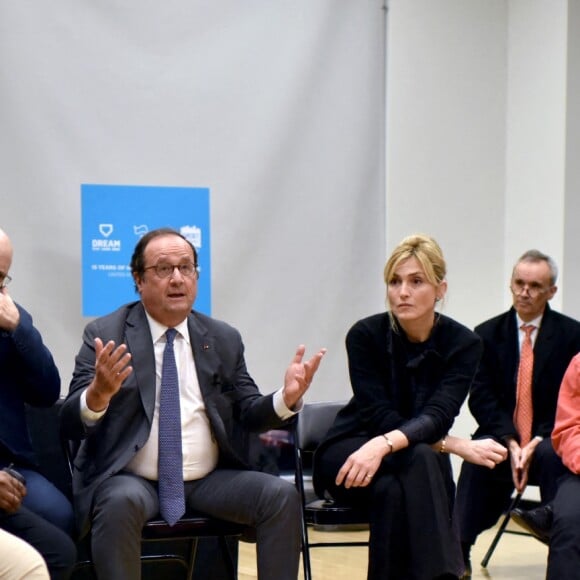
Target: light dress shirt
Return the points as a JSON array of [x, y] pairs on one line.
[[521, 334]]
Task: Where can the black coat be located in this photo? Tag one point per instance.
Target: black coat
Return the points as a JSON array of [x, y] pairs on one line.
[[417, 388], [28, 376], [493, 395]]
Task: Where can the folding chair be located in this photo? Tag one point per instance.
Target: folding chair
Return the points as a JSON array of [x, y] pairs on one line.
[[313, 423], [186, 532], [503, 530]]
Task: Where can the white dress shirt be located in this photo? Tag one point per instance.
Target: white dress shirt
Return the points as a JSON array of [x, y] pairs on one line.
[[534, 334]]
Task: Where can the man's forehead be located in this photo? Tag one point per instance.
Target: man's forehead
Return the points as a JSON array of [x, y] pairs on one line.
[[167, 245], [539, 271]]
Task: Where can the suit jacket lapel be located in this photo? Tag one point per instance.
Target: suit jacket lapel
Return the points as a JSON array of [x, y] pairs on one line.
[[545, 343], [140, 344], [509, 347], [205, 356], [208, 366]]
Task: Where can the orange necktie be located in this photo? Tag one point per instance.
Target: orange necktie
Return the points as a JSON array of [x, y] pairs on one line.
[[524, 412]]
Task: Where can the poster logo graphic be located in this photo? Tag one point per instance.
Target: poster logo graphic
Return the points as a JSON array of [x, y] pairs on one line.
[[140, 230], [106, 229], [192, 234], [115, 217]]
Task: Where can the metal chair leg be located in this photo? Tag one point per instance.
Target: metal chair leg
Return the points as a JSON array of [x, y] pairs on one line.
[[514, 503], [304, 540]]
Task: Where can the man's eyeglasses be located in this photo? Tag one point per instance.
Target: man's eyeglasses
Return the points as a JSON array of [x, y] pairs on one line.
[[534, 289], [4, 280], [166, 270]]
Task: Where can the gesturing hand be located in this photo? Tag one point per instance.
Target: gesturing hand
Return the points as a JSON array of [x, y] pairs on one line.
[[111, 369], [299, 375]]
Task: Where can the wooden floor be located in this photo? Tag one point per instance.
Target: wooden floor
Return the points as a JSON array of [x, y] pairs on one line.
[[516, 557]]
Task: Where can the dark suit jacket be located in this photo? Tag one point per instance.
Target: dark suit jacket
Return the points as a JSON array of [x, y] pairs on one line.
[[233, 403], [493, 395], [417, 388], [28, 375]]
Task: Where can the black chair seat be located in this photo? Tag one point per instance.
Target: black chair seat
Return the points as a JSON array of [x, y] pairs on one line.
[[328, 513], [165, 549], [190, 526]]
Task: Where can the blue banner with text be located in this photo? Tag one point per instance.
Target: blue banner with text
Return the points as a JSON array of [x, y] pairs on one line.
[[115, 217]]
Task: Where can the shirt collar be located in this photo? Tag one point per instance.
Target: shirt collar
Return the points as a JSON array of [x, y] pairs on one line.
[[535, 322], [158, 330]]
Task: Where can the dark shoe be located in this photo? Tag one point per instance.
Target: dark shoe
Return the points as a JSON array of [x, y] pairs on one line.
[[537, 521]]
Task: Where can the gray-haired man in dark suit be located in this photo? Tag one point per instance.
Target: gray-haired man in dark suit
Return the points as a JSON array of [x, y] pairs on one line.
[[483, 494]]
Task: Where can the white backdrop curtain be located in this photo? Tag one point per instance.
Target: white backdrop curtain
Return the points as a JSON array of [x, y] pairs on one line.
[[276, 106]]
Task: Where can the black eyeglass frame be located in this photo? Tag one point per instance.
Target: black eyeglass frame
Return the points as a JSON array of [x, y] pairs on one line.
[[163, 270]]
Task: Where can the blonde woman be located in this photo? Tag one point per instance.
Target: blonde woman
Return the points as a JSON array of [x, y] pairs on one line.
[[410, 370]]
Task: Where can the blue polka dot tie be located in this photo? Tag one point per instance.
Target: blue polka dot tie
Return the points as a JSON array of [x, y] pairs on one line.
[[171, 489]]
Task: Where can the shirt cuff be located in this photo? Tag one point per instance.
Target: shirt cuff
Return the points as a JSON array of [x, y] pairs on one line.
[[88, 416], [280, 406]]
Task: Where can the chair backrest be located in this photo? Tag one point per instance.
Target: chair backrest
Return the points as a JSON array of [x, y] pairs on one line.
[[314, 421], [189, 546], [313, 424]]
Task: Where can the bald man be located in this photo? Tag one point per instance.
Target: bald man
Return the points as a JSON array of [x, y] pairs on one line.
[[31, 507]]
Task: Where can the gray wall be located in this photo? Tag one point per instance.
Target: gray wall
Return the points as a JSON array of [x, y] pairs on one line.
[[482, 142], [277, 107]]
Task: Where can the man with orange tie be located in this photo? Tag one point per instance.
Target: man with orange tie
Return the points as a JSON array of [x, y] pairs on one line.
[[513, 397]]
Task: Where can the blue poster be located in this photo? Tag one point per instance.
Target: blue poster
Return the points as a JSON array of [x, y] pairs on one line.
[[114, 217]]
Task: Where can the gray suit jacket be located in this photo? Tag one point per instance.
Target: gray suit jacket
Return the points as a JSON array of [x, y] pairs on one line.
[[233, 402]]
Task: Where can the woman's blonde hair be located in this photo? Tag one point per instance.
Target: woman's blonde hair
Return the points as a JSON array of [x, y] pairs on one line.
[[427, 252]]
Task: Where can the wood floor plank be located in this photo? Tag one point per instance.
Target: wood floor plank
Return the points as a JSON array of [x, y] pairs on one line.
[[515, 558]]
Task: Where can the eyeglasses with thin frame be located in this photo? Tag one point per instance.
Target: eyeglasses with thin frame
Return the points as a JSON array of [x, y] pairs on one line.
[[166, 270], [534, 288], [4, 280]]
